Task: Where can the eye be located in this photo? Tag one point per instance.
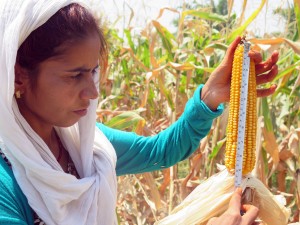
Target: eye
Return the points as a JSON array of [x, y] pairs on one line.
[[76, 76], [95, 71]]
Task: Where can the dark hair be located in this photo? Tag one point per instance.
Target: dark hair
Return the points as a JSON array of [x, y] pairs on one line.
[[68, 25]]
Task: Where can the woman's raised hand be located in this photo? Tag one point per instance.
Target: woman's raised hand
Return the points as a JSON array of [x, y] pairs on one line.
[[217, 88]]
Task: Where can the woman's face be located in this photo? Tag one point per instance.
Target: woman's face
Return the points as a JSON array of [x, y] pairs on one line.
[[64, 86]]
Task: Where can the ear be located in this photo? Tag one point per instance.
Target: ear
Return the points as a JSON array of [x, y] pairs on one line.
[[21, 78]]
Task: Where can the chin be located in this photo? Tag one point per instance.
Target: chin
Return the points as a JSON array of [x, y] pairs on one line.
[[66, 124]]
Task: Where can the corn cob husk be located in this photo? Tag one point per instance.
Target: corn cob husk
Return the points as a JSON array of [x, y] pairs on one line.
[[211, 198]]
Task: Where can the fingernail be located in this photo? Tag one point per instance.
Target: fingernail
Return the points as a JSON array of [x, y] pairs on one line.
[[238, 190], [275, 53], [242, 212]]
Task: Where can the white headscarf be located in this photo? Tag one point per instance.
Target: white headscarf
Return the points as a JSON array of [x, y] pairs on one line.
[[57, 197]]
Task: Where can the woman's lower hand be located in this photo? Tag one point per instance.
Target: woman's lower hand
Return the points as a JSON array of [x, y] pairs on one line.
[[232, 216]]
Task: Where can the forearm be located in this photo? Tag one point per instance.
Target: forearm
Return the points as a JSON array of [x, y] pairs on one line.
[[138, 154]]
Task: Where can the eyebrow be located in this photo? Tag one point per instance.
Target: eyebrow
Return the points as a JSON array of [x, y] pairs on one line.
[[82, 69]]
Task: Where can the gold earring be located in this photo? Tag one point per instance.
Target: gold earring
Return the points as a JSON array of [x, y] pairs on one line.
[[18, 94]]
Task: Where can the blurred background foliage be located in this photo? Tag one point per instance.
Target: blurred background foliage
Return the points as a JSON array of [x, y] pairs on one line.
[[152, 74]]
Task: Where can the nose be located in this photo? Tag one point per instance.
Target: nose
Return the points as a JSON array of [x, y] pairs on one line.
[[90, 90]]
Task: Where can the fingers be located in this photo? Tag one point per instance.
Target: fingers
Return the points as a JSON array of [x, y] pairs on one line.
[[232, 46], [267, 77], [230, 51], [232, 214], [256, 56], [235, 201], [267, 72], [251, 213], [267, 91], [267, 65], [264, 78]]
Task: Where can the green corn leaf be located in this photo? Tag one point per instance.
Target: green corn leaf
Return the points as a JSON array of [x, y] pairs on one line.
[[166, 38], [125, 120], [216, 149], [125, 67], [267, 115], [286, 71], [239, 31], [129, 39], [217, 46], [297, 14]]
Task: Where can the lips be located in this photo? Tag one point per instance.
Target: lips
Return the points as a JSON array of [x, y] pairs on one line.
[[81, 112]]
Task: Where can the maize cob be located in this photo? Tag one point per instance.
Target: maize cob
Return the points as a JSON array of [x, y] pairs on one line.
[[251, 117]]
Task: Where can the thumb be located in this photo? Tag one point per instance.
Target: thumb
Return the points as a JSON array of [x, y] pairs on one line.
[[230, 50], [235, 201]]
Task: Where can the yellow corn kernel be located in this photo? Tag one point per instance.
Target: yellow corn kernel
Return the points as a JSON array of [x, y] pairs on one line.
[[251, 117]]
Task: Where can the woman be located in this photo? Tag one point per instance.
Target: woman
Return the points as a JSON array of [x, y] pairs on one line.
[[63, 168]]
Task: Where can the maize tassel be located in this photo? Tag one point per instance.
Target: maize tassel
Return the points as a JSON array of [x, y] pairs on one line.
[[251, 117]]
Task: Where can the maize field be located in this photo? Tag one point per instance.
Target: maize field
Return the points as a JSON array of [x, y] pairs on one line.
[[153, 72]]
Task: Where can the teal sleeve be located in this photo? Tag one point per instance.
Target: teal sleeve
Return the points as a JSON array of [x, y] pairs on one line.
[[14, 208], [137, 154]]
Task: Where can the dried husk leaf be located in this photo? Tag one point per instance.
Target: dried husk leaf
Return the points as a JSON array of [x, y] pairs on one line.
[[211, 198]]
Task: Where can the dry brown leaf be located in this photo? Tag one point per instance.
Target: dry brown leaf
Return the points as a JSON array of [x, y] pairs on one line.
[[183, 187], [271, 147], [140, 127], [283, 129], [152, 47], [166, 181], [243, 13], [209, 51], [189, 75], [294, 144], [229, 7], [291, 192], [297, 178], [281, 175], [196, 164], [161, 11], [256, 47], [284, 152], [297, 82], [291, 165], [258, 170], [155, 196], [184, 66], [275, 41]]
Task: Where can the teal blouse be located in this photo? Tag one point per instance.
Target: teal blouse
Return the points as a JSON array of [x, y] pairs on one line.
[[135, 154]]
